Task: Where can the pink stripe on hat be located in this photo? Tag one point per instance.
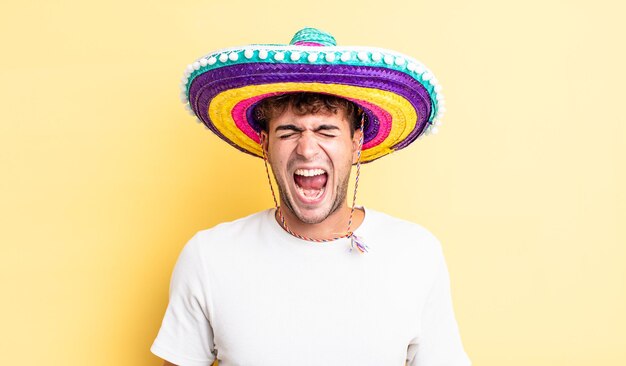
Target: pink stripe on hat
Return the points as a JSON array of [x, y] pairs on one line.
[[384, 119], [305, 43]]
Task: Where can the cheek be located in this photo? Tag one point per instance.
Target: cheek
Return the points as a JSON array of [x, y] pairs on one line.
[[339, 153], [279, 160], [274, 151]]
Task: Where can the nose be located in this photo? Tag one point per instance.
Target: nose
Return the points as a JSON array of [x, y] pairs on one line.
[[308, 146]]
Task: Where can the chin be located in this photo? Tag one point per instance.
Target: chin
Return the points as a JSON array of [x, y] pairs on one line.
[[313, 214], [312, 217]]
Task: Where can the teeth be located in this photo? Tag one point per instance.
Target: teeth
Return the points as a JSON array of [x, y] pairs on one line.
[[310, 172]]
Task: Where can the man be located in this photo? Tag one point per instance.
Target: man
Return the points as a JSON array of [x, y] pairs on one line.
[[312, 281]]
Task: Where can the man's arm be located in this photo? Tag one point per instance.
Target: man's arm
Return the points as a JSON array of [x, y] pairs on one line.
[[185, 336], [439, 341]]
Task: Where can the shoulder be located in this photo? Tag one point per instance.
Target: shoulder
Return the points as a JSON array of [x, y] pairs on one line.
[[219, 244], [227, 237], [243, 225], [393, 232], [381, 219]]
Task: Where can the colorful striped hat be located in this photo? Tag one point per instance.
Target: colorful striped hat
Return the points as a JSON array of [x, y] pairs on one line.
[[401, 98]]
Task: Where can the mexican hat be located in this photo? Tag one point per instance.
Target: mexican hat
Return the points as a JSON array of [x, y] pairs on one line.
[[400, 97]]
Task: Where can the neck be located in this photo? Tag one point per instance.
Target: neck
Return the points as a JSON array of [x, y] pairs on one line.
[[334, 226]]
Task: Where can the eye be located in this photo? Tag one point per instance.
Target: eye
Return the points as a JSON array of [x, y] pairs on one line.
[[327, 134], [286, 136]]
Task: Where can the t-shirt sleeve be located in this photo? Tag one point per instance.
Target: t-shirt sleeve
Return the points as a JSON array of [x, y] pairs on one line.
[[439, 342], [186, 337]]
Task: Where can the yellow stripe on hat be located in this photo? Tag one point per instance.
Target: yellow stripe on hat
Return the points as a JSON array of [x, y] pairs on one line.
[[404, 116]]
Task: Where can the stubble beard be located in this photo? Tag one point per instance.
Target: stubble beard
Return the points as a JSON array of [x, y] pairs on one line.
[[341, 189]]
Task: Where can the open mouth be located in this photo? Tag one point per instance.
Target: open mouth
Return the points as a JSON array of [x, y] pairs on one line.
[[310, 183]]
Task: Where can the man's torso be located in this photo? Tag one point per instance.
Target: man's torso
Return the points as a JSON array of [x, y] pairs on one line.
[[273, 299]]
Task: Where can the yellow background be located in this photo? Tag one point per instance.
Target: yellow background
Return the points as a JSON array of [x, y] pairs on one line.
[[104, 176]]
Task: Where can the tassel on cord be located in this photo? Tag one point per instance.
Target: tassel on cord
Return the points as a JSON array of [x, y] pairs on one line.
[[355, 240]]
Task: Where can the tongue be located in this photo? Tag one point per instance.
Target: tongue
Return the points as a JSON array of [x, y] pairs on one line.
[[316, 182]]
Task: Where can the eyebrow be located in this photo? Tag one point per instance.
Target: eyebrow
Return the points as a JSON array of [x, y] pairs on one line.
[[326, 128], [288, 128], [298, 129]]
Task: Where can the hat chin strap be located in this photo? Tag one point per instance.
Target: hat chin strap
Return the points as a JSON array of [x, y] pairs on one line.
[[355, 241]]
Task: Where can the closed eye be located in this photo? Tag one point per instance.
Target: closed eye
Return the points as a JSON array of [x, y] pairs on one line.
[[328, 130]]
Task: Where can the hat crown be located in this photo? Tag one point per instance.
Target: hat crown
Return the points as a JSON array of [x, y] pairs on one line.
[[312, 37]]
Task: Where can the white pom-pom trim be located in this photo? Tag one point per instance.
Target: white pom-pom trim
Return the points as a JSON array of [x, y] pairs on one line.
[[189, 109]]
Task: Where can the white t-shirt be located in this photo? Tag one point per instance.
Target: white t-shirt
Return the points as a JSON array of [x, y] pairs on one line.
[[249, 293]]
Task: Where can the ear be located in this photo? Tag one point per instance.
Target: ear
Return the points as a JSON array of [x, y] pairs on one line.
[[264, 141], [356, 145]]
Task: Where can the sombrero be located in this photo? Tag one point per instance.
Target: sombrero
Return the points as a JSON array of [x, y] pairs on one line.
[[400, 97]]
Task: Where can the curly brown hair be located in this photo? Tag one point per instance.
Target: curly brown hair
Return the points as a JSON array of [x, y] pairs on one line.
[[303, 103]]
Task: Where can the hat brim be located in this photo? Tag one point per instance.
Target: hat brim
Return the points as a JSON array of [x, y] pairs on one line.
[[400, 104]]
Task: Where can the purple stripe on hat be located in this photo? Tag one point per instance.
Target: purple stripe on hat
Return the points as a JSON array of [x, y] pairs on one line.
[[209, 84]]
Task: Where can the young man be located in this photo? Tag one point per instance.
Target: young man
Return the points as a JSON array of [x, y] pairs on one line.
[[312, 281]]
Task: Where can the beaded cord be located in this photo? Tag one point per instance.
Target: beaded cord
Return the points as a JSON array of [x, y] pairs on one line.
[[355, 241]]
